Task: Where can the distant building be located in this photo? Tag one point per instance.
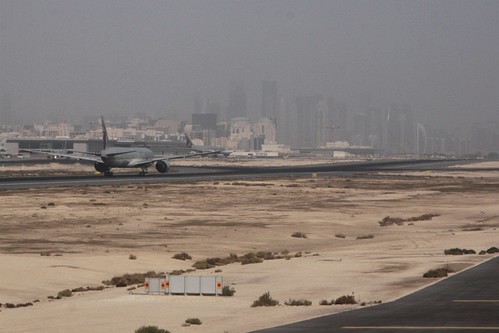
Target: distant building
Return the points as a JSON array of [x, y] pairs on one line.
[[311, 122], [265, 128], [401, 131], [167, 126], [270, 101], [240, 128], [6, 110], [237, 101], [204, 121]]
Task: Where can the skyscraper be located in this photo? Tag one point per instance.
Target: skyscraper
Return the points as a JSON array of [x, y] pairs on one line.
[[6, 108], [270, 102], [237, 100], [311, 120]]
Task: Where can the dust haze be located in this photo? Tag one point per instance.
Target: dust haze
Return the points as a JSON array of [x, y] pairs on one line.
[[70, 60]]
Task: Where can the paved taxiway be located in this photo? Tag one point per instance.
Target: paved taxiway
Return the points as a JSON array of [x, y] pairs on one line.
[[466, 302], [220, 173]]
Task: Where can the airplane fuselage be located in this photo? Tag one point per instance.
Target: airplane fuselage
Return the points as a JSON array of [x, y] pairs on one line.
[[120, 157]]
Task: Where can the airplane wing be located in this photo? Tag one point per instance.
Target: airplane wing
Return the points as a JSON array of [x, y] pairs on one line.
[[140, 163], [175, 157], [70, 156]]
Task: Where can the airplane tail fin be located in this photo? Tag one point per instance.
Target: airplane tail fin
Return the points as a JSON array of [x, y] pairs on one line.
[[105, 139], [189, 142]]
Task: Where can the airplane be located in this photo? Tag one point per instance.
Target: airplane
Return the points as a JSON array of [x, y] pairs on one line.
[[205, 149], [121, 157]]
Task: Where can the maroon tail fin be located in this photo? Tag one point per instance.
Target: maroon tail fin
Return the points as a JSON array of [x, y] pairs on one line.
[[105, 139]]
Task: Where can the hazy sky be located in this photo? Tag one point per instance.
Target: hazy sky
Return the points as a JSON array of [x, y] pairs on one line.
[[107, 57]]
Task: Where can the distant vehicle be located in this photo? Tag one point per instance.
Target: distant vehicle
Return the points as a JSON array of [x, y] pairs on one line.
[[23, 155], [119, 157]]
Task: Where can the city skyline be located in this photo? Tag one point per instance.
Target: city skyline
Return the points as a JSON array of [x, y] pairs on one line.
[[79, 59]]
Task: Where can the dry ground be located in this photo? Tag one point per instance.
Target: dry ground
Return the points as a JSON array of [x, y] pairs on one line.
[[91, 231]]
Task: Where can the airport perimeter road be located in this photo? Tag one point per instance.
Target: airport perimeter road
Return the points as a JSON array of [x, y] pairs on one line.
[[465, 302]]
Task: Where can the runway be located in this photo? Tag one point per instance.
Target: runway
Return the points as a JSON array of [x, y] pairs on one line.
[[465, 302], [214, 173]]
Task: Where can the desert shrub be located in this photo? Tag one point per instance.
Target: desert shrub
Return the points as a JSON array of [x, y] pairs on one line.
[[298, 302], [400, 221], [193, 321], [345, 299], [65, 293], [177, 272], [342, 236], [250, 258], [132, 257], [424, 217], [150, 329], [265, 300], [298, 254], [212, 262], [182, 256], [458, 251], [78, 290], [387, 220], [437, 273], [129, 279], [45, 254], [482, 252], [473, 229], [228, 291], [493, 250], [326, 302], [265, 255], [202, 264], [370, 236], [23, 305], [9, 305], [51, 204], [298, 234]]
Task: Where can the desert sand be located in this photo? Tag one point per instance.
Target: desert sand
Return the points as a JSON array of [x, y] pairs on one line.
[[91, 231]]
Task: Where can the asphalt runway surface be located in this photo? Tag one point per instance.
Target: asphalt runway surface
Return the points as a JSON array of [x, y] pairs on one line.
[[465, 302], [219, 173]]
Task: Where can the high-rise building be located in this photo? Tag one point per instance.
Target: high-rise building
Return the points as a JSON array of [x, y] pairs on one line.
[[270, 101], [337, 119], [284, 122], [321, 126], [6, 108], [198, 103], [213, 107], [237, 100], [311, 121], [401, 132], [204, 121], [376, 125], [360, 129]]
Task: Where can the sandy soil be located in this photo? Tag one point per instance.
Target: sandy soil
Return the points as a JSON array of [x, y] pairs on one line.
[[91, 231]]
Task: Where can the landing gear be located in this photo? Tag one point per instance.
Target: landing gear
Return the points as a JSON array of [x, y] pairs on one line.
[[108, 173], [143, 172]]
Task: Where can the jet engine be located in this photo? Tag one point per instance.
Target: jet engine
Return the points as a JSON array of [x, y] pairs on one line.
[[162, 166], [101, 167]]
